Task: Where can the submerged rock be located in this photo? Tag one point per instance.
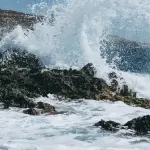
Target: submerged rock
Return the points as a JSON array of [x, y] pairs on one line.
[[140, 125], [41, 108], [32, 111], [46, 108], [108, 125]]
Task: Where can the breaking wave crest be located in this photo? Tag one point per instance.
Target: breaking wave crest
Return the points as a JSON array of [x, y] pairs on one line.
[[73, 38]]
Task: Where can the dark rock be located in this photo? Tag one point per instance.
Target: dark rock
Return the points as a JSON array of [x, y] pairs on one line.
[[21, 78], [124, 91], [41, 108], [46, 108], [12, 57], [14, 98], [6, 104], [108, 125], [141, 125], [32, 111], [89, 70]]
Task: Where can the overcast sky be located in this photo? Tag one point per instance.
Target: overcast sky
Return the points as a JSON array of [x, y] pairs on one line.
[[19, 5]]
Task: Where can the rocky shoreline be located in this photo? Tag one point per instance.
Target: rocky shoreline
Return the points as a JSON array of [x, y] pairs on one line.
[[23, 78]]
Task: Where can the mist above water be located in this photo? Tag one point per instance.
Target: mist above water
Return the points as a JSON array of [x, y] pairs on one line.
[[73, 39]]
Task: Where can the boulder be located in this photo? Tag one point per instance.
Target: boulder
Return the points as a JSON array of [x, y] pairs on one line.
[[41, 108], [13, 57], [89, 70], [140, 125], [108, 125], [32, 111], [46, 108], [22, 77]]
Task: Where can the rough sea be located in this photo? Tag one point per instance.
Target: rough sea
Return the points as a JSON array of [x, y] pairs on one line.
[[73, 40]]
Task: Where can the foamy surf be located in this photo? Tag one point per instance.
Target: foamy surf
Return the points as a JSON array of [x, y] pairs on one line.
[[71, 130], [72, 41]]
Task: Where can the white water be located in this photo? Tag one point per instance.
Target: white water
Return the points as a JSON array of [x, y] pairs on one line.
[[73, 41], [72, 130]]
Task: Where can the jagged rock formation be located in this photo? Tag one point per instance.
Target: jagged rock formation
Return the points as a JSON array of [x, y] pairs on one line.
[[140, 125], [108, 125], [22, 79]]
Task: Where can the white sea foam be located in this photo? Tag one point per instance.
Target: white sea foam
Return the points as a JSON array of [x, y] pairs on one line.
[[71, 130], [73, 41]]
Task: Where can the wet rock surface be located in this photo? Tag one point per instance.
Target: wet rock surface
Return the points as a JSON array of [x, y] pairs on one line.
[[140, 125], [22, 79], [108, 125], [40, 108]]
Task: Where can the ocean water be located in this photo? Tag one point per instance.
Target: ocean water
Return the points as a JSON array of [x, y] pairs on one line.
[[71, 130], [72, 41]]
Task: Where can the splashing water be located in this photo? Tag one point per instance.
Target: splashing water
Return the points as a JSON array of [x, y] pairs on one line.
[[74, 38]]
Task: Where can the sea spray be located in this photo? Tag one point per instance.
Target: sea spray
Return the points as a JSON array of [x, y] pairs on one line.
[[73, 39]]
